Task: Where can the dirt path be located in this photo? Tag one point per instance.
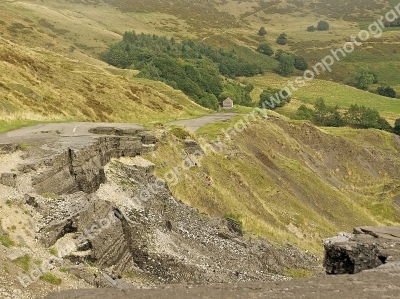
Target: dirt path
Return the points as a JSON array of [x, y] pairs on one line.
[[194, 124]]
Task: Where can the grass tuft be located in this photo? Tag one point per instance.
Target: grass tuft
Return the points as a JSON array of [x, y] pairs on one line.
[[50, 278], [6, 241], [23, 262]]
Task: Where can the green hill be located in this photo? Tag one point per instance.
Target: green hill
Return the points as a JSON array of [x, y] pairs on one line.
[[287, 180]]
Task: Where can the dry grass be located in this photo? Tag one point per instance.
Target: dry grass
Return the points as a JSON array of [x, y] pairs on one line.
[[289, 182], [273, 176], [48, 87]]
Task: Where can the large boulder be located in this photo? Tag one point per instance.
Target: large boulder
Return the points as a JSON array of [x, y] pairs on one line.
[[366, 248]]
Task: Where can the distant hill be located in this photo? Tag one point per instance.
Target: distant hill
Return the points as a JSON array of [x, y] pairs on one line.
[[42, 85]]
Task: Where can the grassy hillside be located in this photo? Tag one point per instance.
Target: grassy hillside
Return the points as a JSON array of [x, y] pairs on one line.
[[291, 182], [90, 26], [44, 86], [333, 93]]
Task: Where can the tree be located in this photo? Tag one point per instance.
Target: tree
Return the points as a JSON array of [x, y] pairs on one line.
[[386, 91], [383, 124], [279, 53], [300, 63], [272, 96], [334, 118], [286, 65], [396, 128], [370, 118], [323, 25], [320, 112], [353, 115], [305, 113], [265, 49], [209, 101], [282, 39], [262, 31], [311, 29], [364, 79], [373, 73]]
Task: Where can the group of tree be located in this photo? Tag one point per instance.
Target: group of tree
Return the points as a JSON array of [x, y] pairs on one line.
[[365, 77], [193, 67], [281, 40], [271, 98], [322, 26], [237, 91], [395, 23], [288, 62], [355, 116]]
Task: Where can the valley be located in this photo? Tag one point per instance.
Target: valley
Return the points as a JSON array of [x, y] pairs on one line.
[[248, 194]]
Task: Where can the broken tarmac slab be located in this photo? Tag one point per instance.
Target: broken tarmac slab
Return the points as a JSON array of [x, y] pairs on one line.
[[6, 148], [70, 157], [54, 131], [367, 248]]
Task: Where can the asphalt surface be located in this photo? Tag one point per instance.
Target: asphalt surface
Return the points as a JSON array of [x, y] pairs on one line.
[[377, 284], [194, 124], [59, 130]]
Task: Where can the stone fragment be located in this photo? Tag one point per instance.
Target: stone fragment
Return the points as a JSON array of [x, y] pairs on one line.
[[8, 179]]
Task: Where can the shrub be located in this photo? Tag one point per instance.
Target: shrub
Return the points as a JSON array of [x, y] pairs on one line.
[[384, 125], [235, 217], [282, 39], [262, 31], [364, 79], [6, 241], [311, 29], [23, 262], [300, 63], [396, 128], [386, 91], [179, 132], [286, 65], [305, 113], [266, 49], [323, 25], [53, 251], [270, 99]]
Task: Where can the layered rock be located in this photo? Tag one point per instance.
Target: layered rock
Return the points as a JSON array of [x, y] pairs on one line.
[[366, 248], [156, 236], [75, 162]]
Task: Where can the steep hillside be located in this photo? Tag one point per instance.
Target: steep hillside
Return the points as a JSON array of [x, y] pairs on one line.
[[288, 181], [40, 85], [74, 27]]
